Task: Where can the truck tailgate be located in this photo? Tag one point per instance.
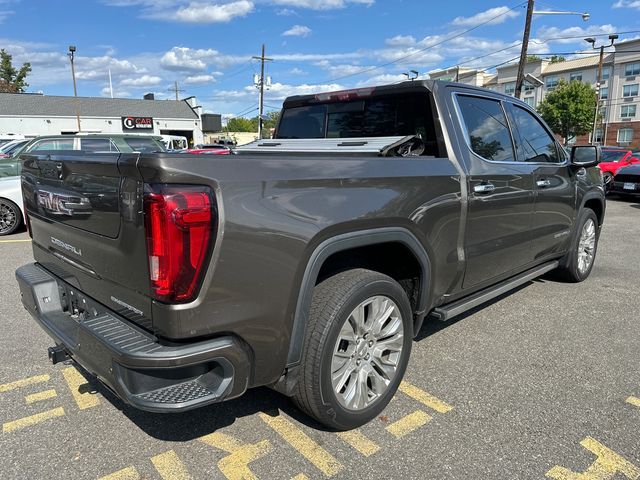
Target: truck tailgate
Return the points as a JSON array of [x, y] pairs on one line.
[[86, 221]]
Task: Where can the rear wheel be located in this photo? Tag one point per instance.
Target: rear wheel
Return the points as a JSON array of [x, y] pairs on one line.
[[356, 349], [578, 262], [10, 217]]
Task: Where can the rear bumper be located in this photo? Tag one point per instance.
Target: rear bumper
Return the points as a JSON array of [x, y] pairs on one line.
[[131, 362]]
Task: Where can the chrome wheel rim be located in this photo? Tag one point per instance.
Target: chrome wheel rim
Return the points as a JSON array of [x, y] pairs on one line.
[[7, 217], [367, 353], [586, 246]]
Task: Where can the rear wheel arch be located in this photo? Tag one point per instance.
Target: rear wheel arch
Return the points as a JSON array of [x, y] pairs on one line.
[[318, 267]]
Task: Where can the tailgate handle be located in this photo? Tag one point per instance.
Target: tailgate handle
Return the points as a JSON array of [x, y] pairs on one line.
[[484, 188]]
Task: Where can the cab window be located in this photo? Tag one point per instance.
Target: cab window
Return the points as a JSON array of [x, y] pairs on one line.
[[535, 144], [486, 128], [9, 167]]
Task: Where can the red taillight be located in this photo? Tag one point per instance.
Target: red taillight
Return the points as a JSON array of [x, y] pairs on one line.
[[180, 222]]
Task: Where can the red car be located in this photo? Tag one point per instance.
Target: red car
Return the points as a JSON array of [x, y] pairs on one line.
[[612, 160], [210, 150]]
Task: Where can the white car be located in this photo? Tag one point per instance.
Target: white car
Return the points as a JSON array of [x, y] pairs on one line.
[[11, 215]]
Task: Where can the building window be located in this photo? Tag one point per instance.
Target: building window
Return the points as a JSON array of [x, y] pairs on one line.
[[510, 88], [625, 135], [603, 112], [527, 87], [606, 73], [630, 90], [631, 69], [628, 111], [577, 76], [529, 101], [551, 82], [604, 93], [598, 136]]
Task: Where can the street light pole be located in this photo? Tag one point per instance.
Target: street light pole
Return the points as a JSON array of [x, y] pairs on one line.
[[525, 39], [592, 41], [71, 55]]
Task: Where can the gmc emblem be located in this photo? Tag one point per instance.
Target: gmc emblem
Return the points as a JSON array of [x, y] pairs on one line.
[[61, 204]]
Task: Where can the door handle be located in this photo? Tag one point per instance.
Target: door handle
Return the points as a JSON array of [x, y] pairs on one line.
[[484, 188], [543, 183]]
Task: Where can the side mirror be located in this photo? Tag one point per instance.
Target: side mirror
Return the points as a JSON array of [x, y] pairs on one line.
[[585, 155]]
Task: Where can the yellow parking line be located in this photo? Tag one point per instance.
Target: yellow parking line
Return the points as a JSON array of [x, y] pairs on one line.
[[408, 424], [235, 466], [129, 473], [79, 388], [32, 420], [23, 383], [425, 398], [170, 467], [358, 441], [606, 466], [44, 395], [16, 241], [635, 401], [306, 446], [300, 476]]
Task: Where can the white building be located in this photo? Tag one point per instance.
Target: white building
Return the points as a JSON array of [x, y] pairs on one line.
[[33, 114]]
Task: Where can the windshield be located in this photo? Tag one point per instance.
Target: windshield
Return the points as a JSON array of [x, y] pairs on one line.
[[398, 115], [144, 145]]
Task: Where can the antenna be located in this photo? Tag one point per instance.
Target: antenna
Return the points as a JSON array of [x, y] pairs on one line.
[[176, 90]]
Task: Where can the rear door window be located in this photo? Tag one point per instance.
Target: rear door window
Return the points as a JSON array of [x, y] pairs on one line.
[[53, 144], [97, 145], [486, 128]]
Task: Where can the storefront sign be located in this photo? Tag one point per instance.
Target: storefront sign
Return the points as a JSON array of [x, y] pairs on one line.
[[137, 123]]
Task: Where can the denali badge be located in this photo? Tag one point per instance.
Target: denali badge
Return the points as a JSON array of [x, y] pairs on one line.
[[126, 305], [66, 246]]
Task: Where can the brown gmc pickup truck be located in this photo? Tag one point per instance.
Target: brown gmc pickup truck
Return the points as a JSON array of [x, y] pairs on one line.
[[306, 262]]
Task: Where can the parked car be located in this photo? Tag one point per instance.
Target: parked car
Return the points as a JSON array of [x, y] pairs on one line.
[[214, 150], [612, 159], [627, 180], [9, 148], [306, 264], [11, 214], [97, 143]]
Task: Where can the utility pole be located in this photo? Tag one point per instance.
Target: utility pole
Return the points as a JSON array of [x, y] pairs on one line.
[[175, 89], [523, 50], [71, 55], [262, 59], [592, 41]]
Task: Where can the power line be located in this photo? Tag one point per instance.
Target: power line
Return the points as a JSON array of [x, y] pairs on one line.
[[448, 39]]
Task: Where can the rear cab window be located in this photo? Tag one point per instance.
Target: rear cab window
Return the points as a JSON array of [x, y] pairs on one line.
[[382, 115]]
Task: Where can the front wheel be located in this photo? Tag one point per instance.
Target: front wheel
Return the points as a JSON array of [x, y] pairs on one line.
[[577, 264], [356, 348]]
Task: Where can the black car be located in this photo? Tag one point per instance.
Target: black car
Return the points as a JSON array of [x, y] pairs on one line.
[[627, 180]]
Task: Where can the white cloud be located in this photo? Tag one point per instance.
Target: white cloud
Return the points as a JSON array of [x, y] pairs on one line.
[[320, 4], [196, 60], [297, 31], [627, 4], [141, 82], [554, 34], [277, 92], [401, 41], [117, 93], [212, 13], [383, 79], [199, 79], [286, 12], [297, 71], [494, 16]]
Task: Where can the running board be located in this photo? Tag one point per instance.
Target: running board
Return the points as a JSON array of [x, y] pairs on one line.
[[447, 312]]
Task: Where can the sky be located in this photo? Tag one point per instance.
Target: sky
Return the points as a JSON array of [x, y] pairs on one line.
[[315, 45]]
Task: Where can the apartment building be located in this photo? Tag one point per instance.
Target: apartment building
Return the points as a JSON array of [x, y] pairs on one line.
[[619, 89]]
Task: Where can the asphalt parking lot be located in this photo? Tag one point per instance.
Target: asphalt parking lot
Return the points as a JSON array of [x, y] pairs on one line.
[[543, 383]]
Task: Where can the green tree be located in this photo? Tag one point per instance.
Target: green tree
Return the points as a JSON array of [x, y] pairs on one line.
[[569, 109], [12, 80], [556, 58], [241, 124], [532, 58]]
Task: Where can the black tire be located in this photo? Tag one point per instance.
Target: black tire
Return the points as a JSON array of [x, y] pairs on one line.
[[333, 302], [569, 269], [10, 217]]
